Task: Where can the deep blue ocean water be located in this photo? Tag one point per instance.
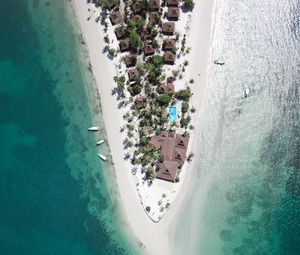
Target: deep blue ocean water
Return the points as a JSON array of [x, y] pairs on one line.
[[53, 194]]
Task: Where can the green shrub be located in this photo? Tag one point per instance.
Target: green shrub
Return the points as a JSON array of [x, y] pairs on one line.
[[158, 60], [184, 107], [189, 4], [111, 53], [106, 39], [150, 174], [144, 140], [183, 42], [189, 158], [184, 121], [135, 89], [175, 73], [157, 131], [183, 94], [164, 99], [135, 39]]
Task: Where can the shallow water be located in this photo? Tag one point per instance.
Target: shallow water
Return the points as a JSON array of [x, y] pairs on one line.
[[56, 196], [247, 196]]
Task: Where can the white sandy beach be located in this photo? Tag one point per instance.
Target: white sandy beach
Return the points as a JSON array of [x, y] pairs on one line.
[[155, 236]]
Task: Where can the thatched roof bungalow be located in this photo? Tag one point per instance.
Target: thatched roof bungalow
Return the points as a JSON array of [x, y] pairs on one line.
[[173, 13], [130, 60], [169, 44], [115, 17], [169, 57], [132, 73], [124, 45], [154, 5], [168, 28], [120, 32], [148, 49]]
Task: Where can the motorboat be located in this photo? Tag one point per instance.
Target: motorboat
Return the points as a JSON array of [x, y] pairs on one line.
[[93, 128], [217, 62], [102, 157], [100, 142], [246, 92]]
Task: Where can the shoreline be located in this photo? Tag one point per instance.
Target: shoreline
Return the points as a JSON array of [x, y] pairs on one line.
[[202, 57], [103, 71]]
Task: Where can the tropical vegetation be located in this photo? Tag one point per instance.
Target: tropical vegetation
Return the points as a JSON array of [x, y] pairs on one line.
[[150, 116]]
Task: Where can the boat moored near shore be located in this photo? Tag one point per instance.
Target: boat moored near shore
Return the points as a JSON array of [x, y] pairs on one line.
[[100, 142], [246, 92], [93, 128], [217, 62], [102, 157]]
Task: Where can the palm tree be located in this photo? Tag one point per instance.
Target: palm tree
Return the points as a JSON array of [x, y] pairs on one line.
[[189, 158], [126, 156]]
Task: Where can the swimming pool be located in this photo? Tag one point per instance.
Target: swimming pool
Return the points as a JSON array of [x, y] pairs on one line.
[[172, 113]]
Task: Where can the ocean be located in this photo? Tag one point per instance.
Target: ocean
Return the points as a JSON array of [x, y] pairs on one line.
[[246, 199], [56, 196]]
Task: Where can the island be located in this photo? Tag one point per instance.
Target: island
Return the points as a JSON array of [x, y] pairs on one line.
[[149, 61], [150, 90]]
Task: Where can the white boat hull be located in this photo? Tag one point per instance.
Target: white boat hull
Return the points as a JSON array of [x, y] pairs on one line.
[[93, 128], [247, 92], [102, 157], [100, 142]]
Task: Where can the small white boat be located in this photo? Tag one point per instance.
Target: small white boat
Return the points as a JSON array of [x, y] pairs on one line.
[[93, 128], [246, 92], [102, 157], [100, 142]]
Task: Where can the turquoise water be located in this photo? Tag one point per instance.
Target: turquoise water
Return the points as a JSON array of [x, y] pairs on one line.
[[56, 196], [172, 113], [246, 196]]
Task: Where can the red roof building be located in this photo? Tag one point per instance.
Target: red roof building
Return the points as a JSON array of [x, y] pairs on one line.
[[169, 57], [154, 17], [167, 171], [154, 5], [171, 144], [130, 60], [120, 32], [169, 44], [124, 45], [140, 101], [167, 87], [173, 147], [132, 73], [173, 13], [143, 32], [168, 28], [136, 7], [137, 18], [115, 17], [148, 49]]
